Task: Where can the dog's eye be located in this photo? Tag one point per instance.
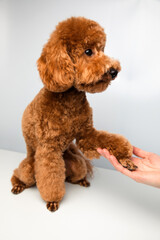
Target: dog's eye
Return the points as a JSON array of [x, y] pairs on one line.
[[88, 52]]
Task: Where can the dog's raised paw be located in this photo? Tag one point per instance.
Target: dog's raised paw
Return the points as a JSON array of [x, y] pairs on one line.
[[126, 163], [52, 206], [18, 188]]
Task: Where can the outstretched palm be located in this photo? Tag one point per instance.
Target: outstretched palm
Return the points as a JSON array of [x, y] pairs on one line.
[[148, 171]]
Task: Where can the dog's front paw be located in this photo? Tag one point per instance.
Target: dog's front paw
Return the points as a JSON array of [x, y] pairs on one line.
[[18, 188], [128, 164], [52, 206]]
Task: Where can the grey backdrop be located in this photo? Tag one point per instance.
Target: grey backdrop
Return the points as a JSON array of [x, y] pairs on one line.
[[130, 106]]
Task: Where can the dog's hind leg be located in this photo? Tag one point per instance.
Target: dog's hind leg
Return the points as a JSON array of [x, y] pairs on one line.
[[77, 166], [23, 176]]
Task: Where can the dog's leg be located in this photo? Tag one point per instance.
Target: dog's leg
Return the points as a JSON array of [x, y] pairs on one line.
[[50, 175], [74, 150], [77, 166], [23, 176], [90, 139]]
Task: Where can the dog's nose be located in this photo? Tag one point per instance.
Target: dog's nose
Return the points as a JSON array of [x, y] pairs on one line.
[[113, 72]]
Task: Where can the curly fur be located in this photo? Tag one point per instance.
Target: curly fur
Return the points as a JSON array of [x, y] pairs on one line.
[[61, 113]]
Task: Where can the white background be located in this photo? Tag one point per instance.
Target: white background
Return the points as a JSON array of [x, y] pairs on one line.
[[130, 106]]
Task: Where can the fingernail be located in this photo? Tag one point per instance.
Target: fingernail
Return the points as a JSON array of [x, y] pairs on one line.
[[99, 150]]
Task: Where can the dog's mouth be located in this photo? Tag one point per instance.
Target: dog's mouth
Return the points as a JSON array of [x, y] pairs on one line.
[[106, 77], [101, 84], [97, 86], [94, 84]]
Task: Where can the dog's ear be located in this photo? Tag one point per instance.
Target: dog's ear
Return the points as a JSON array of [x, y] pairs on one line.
[[55, 66]]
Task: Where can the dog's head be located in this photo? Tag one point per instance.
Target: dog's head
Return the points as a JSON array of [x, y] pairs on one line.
[[74, 56]]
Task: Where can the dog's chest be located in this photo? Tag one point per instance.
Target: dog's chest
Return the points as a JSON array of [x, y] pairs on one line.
[[68, 112], [75, 112]]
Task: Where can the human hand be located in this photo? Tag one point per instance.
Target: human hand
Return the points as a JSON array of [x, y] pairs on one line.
[[148, 171]]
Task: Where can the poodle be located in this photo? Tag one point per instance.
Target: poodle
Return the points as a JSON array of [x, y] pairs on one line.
[[72, 63]]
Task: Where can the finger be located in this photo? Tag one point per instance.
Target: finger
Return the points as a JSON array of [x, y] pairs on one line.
[[100, 151], [139, 152], [106, 153]]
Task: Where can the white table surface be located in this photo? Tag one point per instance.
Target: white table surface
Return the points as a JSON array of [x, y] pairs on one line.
[[113, 207]]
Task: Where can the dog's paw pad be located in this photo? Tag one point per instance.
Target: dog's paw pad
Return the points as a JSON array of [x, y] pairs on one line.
[[52, 206], [84, 183], [126, 163], [18, 189]]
